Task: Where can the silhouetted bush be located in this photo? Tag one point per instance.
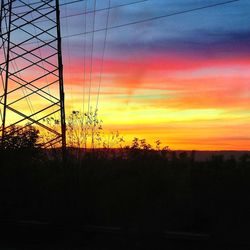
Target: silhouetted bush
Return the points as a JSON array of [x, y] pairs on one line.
[[17, 137]]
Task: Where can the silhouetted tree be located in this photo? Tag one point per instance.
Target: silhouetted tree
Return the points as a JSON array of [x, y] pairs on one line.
[[18, 137]]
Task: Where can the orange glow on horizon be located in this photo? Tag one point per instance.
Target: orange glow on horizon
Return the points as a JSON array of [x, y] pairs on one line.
[[187, 104]]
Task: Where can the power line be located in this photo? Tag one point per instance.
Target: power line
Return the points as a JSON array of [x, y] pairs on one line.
[[84, 64], [144, 20], [102, 60], [102, 9], [69, 56], [86, 12], [76, 1], [42, 8], [91, 57], [152, 18], [38, 2]]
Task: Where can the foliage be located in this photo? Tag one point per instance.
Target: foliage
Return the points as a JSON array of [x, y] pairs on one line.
[[112, 140], [83, 129], [140, 144], [86, 130], [18, 137]]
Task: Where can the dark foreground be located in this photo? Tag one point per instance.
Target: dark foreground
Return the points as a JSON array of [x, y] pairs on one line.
[[37, 235], [136, 199]]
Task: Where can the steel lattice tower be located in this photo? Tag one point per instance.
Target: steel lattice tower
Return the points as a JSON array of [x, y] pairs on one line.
[[31, 69]]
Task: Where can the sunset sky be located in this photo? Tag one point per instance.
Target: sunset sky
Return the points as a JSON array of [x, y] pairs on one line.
[[183, 79]]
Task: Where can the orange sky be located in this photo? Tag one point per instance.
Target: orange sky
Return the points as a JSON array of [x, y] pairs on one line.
[[201, 104]]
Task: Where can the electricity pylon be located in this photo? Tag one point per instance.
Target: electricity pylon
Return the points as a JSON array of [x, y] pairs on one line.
[[31, 69]]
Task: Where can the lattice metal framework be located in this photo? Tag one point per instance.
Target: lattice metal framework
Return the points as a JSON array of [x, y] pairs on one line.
[[31, 70]]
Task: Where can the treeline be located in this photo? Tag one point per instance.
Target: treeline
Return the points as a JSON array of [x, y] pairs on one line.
[[133, 187]]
